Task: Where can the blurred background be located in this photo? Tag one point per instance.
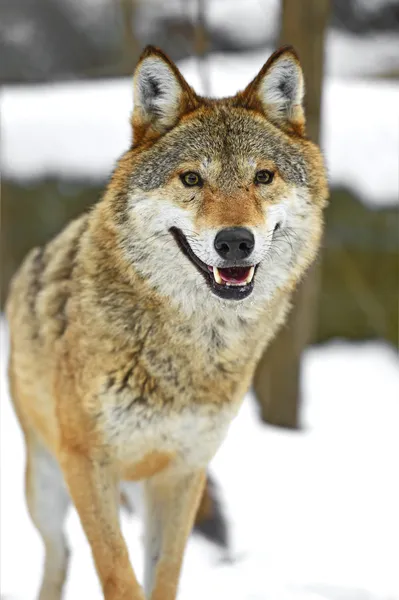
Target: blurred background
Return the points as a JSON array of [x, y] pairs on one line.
[[66, 95]]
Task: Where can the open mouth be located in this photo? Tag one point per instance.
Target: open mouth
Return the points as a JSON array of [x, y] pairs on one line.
[[230, 283]]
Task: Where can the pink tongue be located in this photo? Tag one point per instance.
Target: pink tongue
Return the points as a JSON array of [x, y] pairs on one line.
[[234, 274]]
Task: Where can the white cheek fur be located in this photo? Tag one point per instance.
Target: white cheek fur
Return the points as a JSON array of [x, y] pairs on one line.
[[159, 215], [173, 274], [277, 213]]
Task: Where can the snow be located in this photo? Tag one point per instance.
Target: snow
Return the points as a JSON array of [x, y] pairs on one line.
[[78, 129], [248, 23], [368, 55], [245, 24], [313, 514]]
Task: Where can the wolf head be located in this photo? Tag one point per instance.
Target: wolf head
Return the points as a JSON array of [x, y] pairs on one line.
[[219, 201]]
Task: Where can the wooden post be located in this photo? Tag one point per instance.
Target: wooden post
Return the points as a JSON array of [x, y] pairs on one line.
[[201, 44], [131, 48], [277, 378]]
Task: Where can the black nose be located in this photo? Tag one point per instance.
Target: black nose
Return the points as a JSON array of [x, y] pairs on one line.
[[234, 243]]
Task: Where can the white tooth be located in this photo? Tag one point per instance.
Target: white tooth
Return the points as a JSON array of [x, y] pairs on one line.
[[216, 275], [250, 275]]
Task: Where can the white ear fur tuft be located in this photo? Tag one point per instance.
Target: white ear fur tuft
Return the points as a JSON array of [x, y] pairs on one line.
[[278, 91], [283, 86], [157, 93]]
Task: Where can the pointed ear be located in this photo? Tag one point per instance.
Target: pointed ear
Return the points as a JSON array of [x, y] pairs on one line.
[[161, 94], [278, 91]]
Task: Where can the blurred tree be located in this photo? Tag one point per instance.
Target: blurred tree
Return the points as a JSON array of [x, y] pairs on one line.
[[45, 40], [201, 44], [277, 378], [131, 47]]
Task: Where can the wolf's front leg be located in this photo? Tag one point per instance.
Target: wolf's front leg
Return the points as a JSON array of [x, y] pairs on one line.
[[171, 503], [93, 489]]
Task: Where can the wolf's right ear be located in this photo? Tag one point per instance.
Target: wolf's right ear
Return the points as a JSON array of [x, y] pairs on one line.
[[161, 94]]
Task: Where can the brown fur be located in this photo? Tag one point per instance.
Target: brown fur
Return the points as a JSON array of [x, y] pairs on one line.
[[109, 368]]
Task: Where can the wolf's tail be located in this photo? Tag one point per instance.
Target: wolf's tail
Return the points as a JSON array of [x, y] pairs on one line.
[[210, 520]]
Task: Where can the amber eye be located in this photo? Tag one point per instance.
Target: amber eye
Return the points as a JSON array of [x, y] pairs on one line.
[[264, 176], [191, 178]]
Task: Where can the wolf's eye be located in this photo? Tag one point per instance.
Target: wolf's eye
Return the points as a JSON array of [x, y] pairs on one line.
[[264, 176], [191, 178]]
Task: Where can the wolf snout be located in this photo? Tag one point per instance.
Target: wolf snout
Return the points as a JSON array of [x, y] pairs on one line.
[[234, 243]]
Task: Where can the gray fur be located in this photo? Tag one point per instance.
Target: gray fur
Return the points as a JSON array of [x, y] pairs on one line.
[[226, 135]]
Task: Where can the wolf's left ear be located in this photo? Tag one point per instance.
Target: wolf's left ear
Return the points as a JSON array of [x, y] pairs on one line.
[[278, 91], [161, 94]]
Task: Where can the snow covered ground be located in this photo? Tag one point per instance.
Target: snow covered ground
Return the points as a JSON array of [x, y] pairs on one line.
[[79, 129], [313, 514]]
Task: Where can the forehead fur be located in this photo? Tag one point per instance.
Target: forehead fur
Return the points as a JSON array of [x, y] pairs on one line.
[[225, 134]]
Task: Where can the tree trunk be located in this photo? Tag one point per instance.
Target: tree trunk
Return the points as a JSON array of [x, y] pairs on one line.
[[201, 44], [277, 378], [131, 48]]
